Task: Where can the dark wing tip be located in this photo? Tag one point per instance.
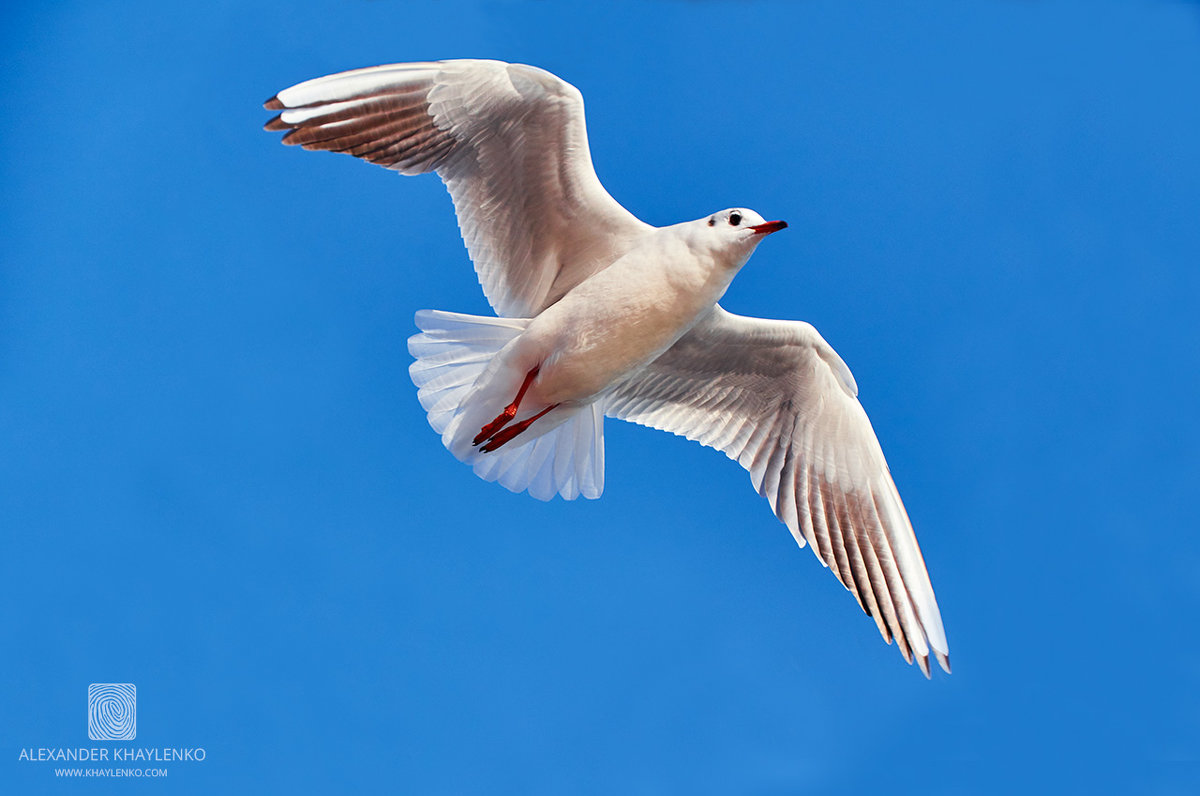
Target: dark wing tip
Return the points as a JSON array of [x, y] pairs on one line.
[[944, 660], [273, 104], [902, 643], [291, 138], [276, 123], [923, 662]]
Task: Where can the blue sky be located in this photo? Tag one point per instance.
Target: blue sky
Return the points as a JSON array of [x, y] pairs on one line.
[[216, 482]]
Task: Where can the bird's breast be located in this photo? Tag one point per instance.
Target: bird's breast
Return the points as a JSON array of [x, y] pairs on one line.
[[616, 323]]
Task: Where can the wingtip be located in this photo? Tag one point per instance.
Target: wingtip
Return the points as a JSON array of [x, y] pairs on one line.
[[944, 660], [905, 650], [923, 662], [273, 104], [290, 138], [275, 124]]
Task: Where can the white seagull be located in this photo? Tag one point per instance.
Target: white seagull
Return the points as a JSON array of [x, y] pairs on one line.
[[602, 314]]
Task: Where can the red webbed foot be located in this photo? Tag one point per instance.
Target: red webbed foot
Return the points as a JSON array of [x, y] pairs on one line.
[[510, 411], [505, 435]]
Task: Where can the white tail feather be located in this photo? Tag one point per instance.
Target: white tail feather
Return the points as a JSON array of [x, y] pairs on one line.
[[452, 352]]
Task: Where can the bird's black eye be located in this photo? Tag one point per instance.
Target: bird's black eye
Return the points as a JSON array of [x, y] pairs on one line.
[[735, 218], [712, 221]]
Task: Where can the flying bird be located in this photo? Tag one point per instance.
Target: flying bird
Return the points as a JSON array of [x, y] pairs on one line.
[[600, 314]]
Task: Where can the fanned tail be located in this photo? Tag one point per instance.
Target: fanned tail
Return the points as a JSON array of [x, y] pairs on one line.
[[452, 352]]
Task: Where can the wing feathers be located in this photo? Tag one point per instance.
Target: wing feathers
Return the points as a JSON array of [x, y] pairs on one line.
[[776, 398], [510, 143]]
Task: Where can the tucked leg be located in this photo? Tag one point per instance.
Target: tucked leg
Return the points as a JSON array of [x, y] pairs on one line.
[[509, 412], [507, 434]]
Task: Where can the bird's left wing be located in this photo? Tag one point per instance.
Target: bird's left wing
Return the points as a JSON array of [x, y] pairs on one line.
[[776, 398], [509, 141]]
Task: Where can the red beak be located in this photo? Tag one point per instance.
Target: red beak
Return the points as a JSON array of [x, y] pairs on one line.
[[768, 227]]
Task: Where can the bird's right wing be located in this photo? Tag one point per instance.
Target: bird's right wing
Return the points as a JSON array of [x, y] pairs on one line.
[[509, 141], [773, 396]]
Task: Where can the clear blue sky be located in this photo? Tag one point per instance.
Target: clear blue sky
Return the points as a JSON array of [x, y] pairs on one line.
[[216, 482]]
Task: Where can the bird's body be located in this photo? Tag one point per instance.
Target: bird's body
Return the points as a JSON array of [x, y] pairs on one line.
[[601, 314], [622, 318]]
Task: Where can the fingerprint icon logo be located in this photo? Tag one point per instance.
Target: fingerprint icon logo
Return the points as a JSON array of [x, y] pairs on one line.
[[112, 711]]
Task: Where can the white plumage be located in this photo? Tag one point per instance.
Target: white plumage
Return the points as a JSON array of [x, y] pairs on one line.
[[602, 314]]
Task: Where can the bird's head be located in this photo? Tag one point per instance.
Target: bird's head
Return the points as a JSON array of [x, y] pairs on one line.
[[736, 232]]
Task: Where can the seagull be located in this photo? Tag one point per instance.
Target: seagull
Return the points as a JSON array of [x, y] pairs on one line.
[[600, 314]]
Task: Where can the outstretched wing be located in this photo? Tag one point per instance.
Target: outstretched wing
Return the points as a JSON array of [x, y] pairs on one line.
[[509, 141], [775, 397]]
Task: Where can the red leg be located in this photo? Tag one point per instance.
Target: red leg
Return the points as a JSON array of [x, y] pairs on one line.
[[509, 412], [507, 434]]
